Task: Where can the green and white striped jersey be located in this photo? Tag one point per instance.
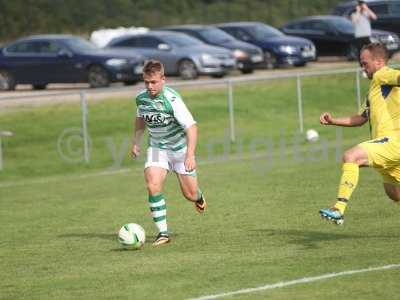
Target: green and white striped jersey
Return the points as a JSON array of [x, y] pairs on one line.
[[166, 117]]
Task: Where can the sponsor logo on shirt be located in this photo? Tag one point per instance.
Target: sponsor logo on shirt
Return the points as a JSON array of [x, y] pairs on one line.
[[154, 118]]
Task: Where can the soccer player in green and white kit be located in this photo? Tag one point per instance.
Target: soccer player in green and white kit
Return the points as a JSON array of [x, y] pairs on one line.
[[172, 143]]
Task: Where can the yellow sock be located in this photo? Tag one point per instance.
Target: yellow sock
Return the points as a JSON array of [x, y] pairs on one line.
[[348, 183]]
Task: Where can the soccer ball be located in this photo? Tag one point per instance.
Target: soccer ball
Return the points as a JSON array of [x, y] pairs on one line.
[[132, 236], [312, 135]]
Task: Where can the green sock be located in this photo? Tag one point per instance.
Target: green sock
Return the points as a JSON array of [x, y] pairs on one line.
[[158, 211]]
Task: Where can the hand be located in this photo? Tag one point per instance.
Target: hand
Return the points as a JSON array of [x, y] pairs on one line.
[[135, 151], [190, 163], [364, 6], [326, 119]]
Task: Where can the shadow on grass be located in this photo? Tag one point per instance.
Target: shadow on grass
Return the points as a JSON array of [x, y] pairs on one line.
[[310, 239], [102, 236]]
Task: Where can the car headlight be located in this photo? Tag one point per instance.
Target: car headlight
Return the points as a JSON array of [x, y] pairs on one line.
[[209, 59], [374, 39], [288, 49], [390, 38], [116, 62], [239, 54]]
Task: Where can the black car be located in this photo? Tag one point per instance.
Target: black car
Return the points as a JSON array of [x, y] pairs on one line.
[[387, 11], [334, 35], [279, 48], [247, 56], [43, 59]]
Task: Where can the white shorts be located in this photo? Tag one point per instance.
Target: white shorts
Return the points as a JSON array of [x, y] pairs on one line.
[[168, 159]]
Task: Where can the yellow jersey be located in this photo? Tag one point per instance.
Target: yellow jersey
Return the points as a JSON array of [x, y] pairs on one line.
[[382, 106]]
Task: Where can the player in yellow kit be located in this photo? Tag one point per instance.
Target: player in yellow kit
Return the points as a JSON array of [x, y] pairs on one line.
[[382, 110]]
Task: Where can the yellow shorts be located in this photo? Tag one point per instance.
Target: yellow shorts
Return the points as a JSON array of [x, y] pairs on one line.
[[384, 156]]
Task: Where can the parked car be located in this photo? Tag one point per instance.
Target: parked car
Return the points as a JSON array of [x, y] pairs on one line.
[[387, 11], [181, 54], [43, 59], [279, 49], [334, 35], [247, 55]]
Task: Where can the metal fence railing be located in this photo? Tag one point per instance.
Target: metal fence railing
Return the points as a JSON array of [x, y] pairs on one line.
[[228, 83]]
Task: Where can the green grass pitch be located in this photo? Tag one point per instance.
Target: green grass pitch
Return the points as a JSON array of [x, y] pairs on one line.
[[59, 219]]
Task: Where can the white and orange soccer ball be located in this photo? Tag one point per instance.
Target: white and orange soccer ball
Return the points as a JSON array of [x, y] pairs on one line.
[[132, 236]]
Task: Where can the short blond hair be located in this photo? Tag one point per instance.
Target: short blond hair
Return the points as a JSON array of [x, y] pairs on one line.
[[377, 50], [153, 66]]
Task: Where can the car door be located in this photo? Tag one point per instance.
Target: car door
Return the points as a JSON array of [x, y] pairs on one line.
[[155, 48], [56, 62], [24, 61], [324, 37], [37, 61]]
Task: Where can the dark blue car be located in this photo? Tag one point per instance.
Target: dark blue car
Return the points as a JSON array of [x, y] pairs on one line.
[[279, 49], [43, 59]]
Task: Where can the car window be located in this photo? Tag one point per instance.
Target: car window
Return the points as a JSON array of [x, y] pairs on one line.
[[21, 47], [129, 42], [80, 45], [148, 42], [262, 31], [215, 35], [297, 25], [241, 34], [394, 8], [48, 47], [182, 40], [379, 9], [318, 25], [343, 25]]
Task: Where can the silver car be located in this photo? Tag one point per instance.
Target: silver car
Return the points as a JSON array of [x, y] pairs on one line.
[[181, 55]]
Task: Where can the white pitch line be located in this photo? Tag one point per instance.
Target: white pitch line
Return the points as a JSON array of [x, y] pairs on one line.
[[296, 281]]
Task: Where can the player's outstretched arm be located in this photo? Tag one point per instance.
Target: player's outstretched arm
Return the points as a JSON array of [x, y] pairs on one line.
[[353, 121], [191, 135], [137, 137]]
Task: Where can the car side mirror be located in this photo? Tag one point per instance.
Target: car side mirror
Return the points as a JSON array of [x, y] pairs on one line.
[[164, 47], [64, 53]]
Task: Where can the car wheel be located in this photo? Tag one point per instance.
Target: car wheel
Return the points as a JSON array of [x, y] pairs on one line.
[[98, 77], [218, 75], [39, 86], [302, 64], [130, 82], [7, 81], [247, 71], [352, 52], [270, 60], [187, 70]]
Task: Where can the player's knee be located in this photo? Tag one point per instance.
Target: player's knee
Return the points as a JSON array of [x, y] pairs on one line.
[[190, 195], [392, 193], [394, 196], [153, 188]]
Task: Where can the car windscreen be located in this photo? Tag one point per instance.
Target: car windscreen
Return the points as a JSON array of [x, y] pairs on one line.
[[80, 45], [261, 31], [343, 25], [181, 40], [215, 36]]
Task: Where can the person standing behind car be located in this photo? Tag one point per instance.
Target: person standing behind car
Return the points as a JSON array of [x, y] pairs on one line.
[[361, 19]]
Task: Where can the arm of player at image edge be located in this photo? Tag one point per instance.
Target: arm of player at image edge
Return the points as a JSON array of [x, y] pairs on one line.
[[352, 121], [191, 135], [137, 136]]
